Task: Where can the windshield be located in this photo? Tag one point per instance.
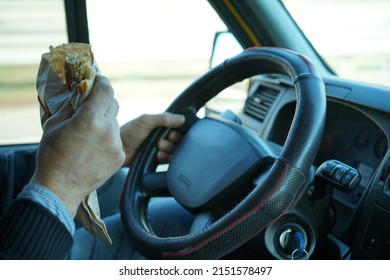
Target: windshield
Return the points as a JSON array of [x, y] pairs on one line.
[[352, 36]]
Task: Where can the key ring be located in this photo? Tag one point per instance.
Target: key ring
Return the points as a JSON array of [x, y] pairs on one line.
[[296, 250]]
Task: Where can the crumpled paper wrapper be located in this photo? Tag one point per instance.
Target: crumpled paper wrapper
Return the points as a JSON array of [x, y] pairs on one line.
[[52, 93]]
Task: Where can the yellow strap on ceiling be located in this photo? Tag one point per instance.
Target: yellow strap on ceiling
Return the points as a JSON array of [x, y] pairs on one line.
[[248, 32]]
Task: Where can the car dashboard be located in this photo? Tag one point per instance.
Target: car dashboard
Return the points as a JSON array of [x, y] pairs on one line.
[[356, 133]]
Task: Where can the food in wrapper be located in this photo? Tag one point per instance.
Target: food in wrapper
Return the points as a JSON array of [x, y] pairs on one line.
[[68, 72], [74, 64]]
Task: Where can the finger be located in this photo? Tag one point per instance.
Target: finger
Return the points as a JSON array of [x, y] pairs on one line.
[[113, 110], [166, 119], [101, 96], [166, 146], [163, 157], [175, 136], [172, 120]]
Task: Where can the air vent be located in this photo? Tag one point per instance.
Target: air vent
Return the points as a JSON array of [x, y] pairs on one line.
[[259, 103]]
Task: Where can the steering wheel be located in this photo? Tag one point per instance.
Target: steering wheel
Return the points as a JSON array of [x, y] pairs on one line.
[[219, 164]]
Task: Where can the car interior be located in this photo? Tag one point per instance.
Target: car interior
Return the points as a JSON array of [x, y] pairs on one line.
[[283, 158]]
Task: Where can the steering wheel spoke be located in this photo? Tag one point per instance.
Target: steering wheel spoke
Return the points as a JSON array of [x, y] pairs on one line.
[[154, 183], [204, 219]]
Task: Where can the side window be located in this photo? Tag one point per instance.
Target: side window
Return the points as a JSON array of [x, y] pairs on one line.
[[151, 50], [27, 28]]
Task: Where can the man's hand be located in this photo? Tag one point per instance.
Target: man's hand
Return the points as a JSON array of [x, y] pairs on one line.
[[80, 150], [135, 132]]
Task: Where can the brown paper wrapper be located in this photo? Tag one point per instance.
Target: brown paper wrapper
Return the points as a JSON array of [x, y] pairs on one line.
[[52, 94]]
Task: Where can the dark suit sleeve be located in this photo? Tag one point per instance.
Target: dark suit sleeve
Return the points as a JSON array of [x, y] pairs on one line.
[[16, 169], [29, 231]]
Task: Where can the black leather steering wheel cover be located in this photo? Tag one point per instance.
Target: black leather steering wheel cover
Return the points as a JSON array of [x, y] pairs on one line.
[[272, 197]]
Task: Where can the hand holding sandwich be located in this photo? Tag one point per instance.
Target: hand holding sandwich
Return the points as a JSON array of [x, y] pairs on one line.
[[73, 172]]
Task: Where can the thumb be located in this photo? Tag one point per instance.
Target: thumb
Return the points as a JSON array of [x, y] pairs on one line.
[[167, 119]]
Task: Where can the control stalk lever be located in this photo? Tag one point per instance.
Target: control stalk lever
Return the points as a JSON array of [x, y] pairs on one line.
[[338, 174]]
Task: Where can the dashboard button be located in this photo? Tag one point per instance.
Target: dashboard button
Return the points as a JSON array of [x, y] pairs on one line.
[[339, 174], [329, 167], [348, 177]]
